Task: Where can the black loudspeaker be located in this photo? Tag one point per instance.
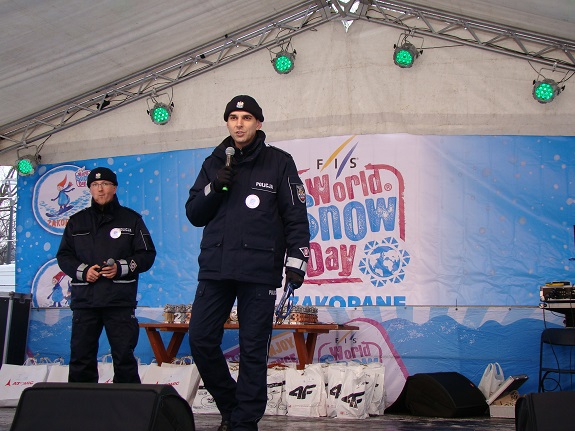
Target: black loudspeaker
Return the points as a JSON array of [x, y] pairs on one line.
[[14, 317], [445, 395], [98, 407], [546, 411]]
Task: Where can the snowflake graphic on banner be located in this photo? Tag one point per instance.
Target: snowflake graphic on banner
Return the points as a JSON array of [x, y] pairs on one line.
[[384, 262]]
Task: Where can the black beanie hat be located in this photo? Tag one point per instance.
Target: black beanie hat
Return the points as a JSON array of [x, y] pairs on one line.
[[103, 174], [244, 103]]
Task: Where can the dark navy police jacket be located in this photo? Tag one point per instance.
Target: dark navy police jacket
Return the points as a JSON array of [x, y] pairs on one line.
[[92, 237], [260, 224]]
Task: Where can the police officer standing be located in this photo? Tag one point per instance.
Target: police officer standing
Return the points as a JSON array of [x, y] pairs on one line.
[[252, 207], [104, 248]]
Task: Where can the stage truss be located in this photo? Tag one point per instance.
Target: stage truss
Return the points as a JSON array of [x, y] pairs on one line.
[[272, 32]]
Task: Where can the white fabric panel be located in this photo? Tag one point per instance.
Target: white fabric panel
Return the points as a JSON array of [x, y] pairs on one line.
[[343, 83], [54, 50], [550, 17]]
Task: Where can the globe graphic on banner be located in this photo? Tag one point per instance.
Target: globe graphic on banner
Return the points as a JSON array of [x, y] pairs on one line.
[[385, 261]]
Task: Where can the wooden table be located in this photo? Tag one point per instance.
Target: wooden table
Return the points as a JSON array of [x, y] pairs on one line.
[[305, 337]]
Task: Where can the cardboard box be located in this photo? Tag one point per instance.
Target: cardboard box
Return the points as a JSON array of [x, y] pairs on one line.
[[496, 411], [501, 403]]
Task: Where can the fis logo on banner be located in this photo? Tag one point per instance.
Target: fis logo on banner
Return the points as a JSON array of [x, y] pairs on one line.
[[347, 161]]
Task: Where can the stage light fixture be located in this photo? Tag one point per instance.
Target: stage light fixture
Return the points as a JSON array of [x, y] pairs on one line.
[[546, 90], [404, 55], [282, 57], [284, 62], [26, 165], [161, 113]]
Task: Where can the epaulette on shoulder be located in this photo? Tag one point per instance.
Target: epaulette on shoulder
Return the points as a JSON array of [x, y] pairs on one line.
[[284, 152]]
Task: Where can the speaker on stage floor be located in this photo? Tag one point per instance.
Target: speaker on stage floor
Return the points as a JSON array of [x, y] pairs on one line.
[[97, 407], [546, 411], [444, 395]]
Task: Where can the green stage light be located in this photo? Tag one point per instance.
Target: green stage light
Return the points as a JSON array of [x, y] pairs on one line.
[[405, 54], [545, 91], [161, 113], [26, 165], [284, 62]]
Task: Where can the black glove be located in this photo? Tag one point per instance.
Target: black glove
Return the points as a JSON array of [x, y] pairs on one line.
[[294, 278], [224, 178]]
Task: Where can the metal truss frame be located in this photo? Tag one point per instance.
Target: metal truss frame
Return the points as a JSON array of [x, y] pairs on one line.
[[276, 31], [553, 52]]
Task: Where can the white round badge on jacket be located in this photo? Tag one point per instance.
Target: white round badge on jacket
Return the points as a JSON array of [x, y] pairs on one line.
[[252, 201]]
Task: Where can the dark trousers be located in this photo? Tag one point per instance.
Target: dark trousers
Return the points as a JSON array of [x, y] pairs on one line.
[[243, 403], [122, 331]]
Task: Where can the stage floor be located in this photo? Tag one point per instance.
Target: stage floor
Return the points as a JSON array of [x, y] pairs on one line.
[[206, 422]]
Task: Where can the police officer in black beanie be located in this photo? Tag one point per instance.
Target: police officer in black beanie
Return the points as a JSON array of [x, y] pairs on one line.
[[255, 224], [103, 250]]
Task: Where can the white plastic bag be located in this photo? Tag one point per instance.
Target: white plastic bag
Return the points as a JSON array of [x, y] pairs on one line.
[[276, 381], [376, 373], [143, 368], [203, 401], [184, 378], [106, 369], [58, 373], [305, 392], [15, 378], [492, 378], [335, 378], [355, 395]]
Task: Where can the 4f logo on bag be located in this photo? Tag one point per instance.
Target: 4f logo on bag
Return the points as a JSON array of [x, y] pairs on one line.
[[335, 391], [353, 399], [301, 391]]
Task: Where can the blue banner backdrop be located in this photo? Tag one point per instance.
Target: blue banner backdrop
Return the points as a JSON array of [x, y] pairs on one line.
[[398, 222]]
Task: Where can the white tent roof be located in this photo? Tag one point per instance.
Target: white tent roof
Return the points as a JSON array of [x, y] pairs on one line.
[[54, 50]]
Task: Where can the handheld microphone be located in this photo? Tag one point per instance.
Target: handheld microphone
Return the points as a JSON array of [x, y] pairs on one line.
[[109, 262], [230, 151]]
